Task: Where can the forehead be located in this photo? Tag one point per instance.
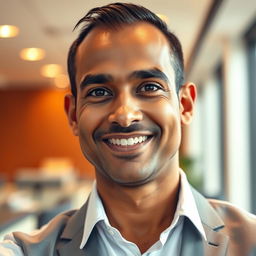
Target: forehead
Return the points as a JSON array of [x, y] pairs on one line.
[[137, 46]]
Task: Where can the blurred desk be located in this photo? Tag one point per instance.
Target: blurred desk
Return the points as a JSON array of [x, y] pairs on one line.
[[38, 182], [26, 208]]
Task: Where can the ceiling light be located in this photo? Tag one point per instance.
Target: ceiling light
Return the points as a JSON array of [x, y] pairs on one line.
[[51, 70], [7, 31], [61, 81], [32, 54], [163, 17]]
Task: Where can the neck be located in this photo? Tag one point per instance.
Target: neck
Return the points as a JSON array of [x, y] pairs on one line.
[[141, 211]]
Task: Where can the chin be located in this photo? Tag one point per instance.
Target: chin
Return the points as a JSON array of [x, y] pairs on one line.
[[132, 182]]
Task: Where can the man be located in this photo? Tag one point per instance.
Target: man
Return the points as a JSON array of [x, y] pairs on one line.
[[127, 107]]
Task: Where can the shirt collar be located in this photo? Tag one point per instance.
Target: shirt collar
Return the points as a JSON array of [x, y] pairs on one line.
[[186, 207], [95, 213]]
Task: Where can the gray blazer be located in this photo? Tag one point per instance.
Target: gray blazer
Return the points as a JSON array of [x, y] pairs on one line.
[[229, 231]]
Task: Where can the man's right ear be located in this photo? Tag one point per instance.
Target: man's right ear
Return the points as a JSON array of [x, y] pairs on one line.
[[70, 109]]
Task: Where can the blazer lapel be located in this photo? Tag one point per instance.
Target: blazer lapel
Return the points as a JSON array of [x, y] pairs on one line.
[[72, 247], [72, 235], [92, 247], [193, 243], [216, 244]]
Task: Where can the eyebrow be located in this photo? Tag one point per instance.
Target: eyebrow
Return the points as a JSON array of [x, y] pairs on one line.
[[149, 73], [95, 79], [105, 78]]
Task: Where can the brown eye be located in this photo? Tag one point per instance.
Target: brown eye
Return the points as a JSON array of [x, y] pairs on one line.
[[150, 87], [99, 92]]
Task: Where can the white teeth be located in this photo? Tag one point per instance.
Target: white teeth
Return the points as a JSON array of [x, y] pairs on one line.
[[124, 142], [128, 142]]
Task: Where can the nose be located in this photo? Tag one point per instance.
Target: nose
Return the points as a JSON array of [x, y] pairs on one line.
[[125, 113]]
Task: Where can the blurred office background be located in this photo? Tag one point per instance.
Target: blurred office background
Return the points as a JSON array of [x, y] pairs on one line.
[[42, 170]]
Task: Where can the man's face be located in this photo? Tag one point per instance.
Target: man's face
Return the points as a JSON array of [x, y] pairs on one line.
[[127, 114]]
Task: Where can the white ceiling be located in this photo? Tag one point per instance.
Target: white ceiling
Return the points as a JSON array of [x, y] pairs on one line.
[[48, 24]]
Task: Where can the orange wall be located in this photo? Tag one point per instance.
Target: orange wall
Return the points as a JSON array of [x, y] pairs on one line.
[[33, 127]]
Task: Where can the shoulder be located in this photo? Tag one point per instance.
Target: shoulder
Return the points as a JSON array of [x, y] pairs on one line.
[[232, 214], [54, 226], [38, 242], [240, 225]]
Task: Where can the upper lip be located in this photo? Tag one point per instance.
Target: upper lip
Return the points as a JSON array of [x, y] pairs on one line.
[[125, 135]]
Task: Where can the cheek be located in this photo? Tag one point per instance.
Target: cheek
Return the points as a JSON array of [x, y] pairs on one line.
[[85, 139], [166, 114], [88, 121]]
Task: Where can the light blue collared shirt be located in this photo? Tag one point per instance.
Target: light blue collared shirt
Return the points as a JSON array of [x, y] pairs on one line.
[[169, 242]]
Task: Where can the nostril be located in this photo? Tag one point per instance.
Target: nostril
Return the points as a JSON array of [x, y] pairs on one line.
[[125, 116]]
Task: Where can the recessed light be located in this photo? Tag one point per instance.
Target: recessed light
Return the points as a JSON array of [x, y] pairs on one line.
[[32, 54], [7, 31], [51, 70]]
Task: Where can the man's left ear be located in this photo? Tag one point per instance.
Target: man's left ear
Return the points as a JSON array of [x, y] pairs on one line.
[[187, 97]]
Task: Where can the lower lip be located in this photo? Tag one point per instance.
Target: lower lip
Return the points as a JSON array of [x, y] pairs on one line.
[[128, 148]]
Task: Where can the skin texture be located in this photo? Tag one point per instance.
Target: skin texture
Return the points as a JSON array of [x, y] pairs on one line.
[[126, 89]]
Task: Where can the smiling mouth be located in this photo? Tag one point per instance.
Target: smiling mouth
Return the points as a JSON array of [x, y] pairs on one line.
[[127, 143]]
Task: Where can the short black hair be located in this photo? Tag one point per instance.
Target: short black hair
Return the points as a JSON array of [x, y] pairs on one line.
[[115, 15]]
